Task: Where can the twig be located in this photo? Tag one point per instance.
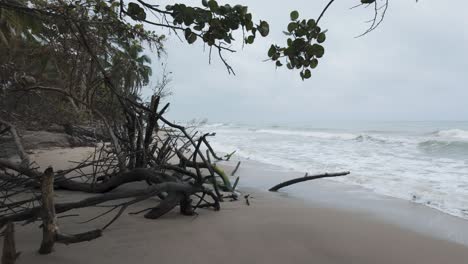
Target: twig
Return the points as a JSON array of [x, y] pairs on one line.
[[236, 168]]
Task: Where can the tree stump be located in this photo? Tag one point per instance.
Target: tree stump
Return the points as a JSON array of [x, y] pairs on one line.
[[9, 255]]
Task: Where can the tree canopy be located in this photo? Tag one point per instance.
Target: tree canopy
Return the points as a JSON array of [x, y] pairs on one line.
[[121, 22]]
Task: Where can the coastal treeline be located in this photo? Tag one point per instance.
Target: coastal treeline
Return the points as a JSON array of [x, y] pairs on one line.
[[81, 65]]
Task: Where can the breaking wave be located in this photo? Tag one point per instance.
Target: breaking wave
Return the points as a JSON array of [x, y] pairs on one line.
[[416, 163], [316, 134], [454, 134]]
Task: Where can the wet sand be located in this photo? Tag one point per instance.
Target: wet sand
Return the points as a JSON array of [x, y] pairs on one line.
[[275, 228]]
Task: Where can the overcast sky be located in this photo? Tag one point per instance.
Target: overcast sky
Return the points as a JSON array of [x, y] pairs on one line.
[[413, 67]]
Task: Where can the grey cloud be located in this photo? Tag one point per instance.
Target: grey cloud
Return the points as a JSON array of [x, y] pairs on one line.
[[411, 68]]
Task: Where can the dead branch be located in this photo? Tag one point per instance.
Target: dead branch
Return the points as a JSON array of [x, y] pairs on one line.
[[9, 254], [142, 150], [307, 178], [78, 238], [236, 168], [49, 219], [151, 191]]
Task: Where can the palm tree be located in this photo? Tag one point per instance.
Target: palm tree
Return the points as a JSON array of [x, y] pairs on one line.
[[16, 26], [130, 68]]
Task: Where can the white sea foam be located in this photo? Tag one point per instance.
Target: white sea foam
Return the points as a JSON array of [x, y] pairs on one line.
[[422, 167], [454, 134], [316, 134]]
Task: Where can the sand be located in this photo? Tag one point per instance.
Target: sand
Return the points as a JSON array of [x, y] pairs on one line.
[[273, 229]]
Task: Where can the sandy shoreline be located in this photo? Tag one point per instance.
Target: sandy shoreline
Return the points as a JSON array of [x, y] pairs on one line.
[[332, 194], [275, 228]]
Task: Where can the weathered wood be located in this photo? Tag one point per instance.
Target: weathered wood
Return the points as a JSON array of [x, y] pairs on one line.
[[186, 207], [236, 168], [9, 254], [307, 178], [49, 219], [139, 174], [153, 190], [152, 122], [166, 205], [82, 237], [134, 155]]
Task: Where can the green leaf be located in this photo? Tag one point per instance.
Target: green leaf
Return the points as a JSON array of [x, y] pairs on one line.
[[311, 23], [310, 50], [263, 28], [292, 26], [321, 37], [313, 63], [190, 36], [318, 50], [271, 51], [213, 5], [135, 11], [299, 43], [300, 32], [294, 15], [204, 3], [249, 25], [278, 64], [307, 74], [250, 39]]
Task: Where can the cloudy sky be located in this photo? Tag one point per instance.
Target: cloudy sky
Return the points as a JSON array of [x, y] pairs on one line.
[[413, 67]]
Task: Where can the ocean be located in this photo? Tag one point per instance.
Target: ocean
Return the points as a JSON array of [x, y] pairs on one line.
[[423, 162]]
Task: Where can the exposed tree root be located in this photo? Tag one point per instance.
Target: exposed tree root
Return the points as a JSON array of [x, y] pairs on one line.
[[140, 151]]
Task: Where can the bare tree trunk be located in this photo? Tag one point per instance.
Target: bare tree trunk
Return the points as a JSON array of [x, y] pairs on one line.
[[9, 255], [49, 220]]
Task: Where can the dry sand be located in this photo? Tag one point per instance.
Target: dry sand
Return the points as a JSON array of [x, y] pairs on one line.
[[273, 229]]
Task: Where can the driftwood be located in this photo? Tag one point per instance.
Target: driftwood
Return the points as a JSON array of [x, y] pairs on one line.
[[236, 168], [49, 219], [151, 191], [142, 146], [9, 254], [307, 178], [78, 238]]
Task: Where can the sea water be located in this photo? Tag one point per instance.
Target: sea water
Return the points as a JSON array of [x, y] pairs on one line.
[[424, 162]]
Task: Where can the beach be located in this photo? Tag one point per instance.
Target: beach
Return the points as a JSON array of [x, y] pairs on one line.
[[282, 227], [199, 132]]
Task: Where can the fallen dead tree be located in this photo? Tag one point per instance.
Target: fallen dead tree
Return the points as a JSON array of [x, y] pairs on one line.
[[307, 178], [175, 161]]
